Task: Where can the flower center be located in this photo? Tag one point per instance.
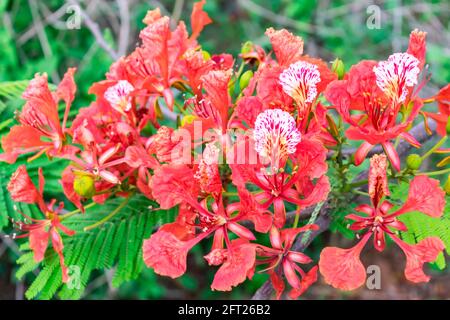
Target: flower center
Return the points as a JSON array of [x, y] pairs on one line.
[[276, 135], [299, 81], [396, 74]]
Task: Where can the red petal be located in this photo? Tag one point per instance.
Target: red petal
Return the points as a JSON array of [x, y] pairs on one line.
[[290, 274], [38, 243], [342, 268], [307, 281], [288, 48], [137, 156], [67, 179], [58, 247], [199, 19], [240, 261], [173, 184], [426, 250], [417, 46], [20, 140], [378, 182], [277, 283], [166, 254], [425, 195], [362, 152], [279, 217], [392, 155], [215, 84], [22, 188]]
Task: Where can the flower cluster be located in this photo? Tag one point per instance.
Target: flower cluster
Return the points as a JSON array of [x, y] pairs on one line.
[[248, 157]]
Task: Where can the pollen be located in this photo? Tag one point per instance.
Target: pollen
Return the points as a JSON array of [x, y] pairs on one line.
[[299, 81], [275, 133], [118, 96], [397, 74]]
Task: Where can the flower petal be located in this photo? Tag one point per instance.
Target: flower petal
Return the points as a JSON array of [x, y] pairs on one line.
[[342, 268], [166, 254], [426, 196], [426, 250], [238, 264]]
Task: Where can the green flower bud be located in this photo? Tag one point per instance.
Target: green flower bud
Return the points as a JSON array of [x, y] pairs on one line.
[[247, 47], [84, 185], [206, 55], [413, 161], [245, 79], [447, 186], [338, 68]]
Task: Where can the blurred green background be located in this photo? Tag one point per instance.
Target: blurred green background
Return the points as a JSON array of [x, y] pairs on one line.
[[38, 36]]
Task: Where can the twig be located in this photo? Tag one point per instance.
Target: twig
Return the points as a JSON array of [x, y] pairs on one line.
[[176, 13], [95, 30], [124, 33]]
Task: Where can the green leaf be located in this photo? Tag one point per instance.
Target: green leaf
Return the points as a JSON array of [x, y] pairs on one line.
[[421, 226], [116, 243]]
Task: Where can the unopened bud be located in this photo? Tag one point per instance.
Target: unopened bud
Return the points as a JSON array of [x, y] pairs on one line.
[[206, 55], [245, 79], [247, 47], [413, 161], [188, 119], [447, 186], [84, 186], [338, 68]]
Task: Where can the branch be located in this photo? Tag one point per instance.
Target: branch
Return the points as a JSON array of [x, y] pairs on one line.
[[95, 30]]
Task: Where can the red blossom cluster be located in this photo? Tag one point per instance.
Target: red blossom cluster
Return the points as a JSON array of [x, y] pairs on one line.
[[274, 131]]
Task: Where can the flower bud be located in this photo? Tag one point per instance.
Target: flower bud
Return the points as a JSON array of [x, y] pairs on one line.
[[206, 55], [247, 47], [413, 161], [338, 68], [187, 119], [84, 185], [245, 79], [447, 186]]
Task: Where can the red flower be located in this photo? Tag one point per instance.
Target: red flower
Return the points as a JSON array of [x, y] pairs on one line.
[[281, 259], [39, 232], [442, 117], [167, 249], [380, 90], [304, 186], [39, 119], [199, 19], [342, 268]]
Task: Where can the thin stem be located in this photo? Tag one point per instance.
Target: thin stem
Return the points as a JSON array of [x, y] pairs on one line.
[[436, 146], [436, 173], [358, 183], [230, 194], [71, 213], [109, 216], [362, 193], [297, 217]]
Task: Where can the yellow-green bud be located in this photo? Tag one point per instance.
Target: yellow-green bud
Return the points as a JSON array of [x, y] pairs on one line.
[[247, 47], [338, 68], [84, 186], [413, 161], [206, 55], [245, 79], [187, 119], [447, 186]]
